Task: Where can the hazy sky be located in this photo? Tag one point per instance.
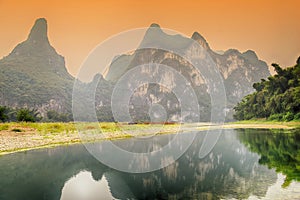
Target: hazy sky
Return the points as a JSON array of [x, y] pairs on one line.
[[269, 27]]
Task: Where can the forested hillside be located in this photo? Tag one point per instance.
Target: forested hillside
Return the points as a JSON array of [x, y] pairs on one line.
[[277, 98]]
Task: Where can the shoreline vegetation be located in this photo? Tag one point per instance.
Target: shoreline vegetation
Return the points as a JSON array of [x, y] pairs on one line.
[[22, 136], [277, 98]]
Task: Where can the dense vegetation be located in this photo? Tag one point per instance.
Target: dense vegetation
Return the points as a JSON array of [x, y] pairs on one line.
[[8, 114], [277, 98], [278, 150]]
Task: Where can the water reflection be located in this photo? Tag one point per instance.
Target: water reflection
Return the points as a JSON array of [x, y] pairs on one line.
[[229, 171], [83, 186], [278, 149]]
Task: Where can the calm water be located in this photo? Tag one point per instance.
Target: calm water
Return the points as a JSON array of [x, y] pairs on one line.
[[244, 164]]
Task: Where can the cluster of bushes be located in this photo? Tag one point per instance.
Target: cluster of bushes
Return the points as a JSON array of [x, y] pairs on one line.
[[285, 117], [53, 116], [24, 114], [277, 98], [8, 114]]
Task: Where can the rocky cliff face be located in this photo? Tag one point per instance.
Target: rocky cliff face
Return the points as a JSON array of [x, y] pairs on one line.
[[238, 70]]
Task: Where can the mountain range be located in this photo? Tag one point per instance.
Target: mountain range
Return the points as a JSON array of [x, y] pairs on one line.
[[34, 75]]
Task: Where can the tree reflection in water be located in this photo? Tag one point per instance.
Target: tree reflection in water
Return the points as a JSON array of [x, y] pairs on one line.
[[278, 149]]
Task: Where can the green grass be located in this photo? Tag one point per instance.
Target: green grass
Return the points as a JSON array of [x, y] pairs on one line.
[[55, 134], [109, 127], [117, 129], [55, 127], [4, 127], [295, 123]]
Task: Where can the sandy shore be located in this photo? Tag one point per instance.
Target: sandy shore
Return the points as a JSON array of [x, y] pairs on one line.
[[34, 138]]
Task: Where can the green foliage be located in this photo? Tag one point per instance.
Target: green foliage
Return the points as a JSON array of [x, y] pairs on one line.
[[54, 116], [278, 149], [32, 75], [8, 114], [276, 117], [26, 115], [297, 116], [3, 114], [277, 98], [288, 116]]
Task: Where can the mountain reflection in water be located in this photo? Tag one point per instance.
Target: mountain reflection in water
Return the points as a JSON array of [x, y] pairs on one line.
[[230, 170]]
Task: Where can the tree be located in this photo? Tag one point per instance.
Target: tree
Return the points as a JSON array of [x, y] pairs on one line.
[[55, 116], [277, 98], [26, 115], [278, 69], [3, 114]]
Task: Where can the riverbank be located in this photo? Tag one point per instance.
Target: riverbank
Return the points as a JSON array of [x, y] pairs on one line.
[[261, 123], [16, 137]]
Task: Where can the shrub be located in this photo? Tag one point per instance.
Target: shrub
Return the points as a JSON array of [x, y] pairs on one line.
[[297, 116], [288, 116], [277, 117], [54, 116], [3, 114], [26, 115]]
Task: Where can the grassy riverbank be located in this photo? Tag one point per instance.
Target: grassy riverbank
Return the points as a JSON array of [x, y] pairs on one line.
[[268, 123], [24, 136]]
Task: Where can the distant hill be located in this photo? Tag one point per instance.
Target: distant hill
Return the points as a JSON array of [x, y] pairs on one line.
[[277, 98], [34, 75]]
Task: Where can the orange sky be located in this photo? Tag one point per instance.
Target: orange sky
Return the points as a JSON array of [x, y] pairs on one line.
[[269, 27]]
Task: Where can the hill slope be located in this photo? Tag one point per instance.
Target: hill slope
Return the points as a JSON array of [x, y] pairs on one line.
[[34, 75]]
